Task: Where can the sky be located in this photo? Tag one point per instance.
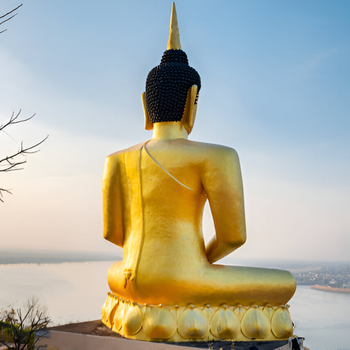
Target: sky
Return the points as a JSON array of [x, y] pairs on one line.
[[275, 86]]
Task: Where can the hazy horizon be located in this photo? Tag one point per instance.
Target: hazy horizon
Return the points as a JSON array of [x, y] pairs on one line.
[[44, 256]]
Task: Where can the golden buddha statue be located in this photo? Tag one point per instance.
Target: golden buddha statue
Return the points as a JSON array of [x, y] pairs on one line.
[[167, 288]]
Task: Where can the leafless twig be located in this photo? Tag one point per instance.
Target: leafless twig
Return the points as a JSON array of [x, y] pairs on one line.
[[13, 120], [1, 193], [7, 19], [13, 162]]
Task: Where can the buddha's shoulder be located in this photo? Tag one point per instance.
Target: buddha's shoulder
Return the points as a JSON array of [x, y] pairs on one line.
[[211, 151], [123, 152], [200, 151]]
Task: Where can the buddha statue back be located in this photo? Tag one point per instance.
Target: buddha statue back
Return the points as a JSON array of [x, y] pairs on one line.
[[167, 287]]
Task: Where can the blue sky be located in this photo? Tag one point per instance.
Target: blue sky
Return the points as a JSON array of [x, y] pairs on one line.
[[275, 86]]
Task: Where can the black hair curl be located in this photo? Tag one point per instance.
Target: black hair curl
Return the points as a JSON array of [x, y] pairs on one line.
[[167, 85]]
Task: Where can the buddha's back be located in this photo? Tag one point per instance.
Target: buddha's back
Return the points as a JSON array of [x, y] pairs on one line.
[[164, 185], [173, 199], [176, 177]]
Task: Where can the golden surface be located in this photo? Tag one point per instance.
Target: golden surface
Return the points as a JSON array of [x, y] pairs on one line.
[[174, 34], [158, 222], [196, 322], [153, 199]]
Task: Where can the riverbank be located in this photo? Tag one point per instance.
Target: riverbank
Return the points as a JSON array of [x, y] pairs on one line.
[[331, 289]]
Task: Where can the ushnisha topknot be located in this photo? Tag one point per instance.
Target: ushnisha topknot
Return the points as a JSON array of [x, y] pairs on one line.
[[167, 86]]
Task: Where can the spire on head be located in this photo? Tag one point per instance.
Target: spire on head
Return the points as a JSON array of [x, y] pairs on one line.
[[168, 83], [174, 34]]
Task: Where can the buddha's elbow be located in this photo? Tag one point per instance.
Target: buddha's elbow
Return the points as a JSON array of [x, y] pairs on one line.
[[242, 241], [108, 235], [242, 237], [238, 242], [111, 236]]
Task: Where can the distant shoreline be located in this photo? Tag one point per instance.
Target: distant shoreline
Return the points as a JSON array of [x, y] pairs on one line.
[[47, 256], [13, 257], [331, 289]]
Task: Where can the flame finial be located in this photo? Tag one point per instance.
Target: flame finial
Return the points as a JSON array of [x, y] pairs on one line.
[[174, 35]]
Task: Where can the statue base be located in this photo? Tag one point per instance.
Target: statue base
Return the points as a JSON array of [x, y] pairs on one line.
[[229, 345], [197, 323], [94, 335]]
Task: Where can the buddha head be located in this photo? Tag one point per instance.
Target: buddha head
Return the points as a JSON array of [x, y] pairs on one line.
[[172, 87]]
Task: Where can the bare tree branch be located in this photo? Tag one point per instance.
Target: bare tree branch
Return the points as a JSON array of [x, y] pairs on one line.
[[13, 162], [25, 326], [6, 14], [13, 120], [7, 19], [1, 193]]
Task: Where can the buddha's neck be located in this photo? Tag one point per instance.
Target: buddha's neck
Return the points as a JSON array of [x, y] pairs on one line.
[[169, 131]]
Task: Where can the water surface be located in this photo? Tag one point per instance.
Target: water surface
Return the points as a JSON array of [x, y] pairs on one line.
[[75, 291]]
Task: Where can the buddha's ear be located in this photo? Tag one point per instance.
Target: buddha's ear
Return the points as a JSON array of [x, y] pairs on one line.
[[148, 122], [189, 115]]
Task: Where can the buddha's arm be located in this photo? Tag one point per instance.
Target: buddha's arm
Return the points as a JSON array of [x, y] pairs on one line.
[[112, 204], [222, 181]]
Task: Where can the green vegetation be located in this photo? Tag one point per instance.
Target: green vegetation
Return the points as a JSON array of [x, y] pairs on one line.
[[23, 328]]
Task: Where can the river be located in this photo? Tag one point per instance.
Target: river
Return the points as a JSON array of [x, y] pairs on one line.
[[75, 291]]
